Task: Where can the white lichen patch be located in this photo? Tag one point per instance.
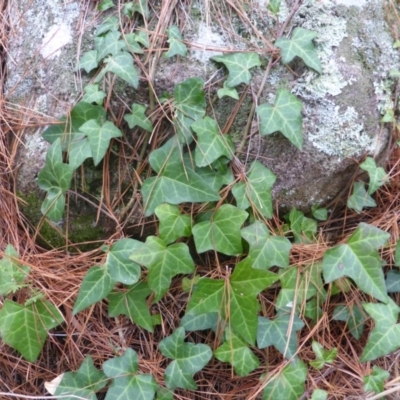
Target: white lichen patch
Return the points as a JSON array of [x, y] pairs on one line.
[[205, 44], [56, 38]]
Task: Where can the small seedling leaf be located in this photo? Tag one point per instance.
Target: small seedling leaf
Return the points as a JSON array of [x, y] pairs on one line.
[[176, 45], [377, 175], [374, 381], [360, 198], [322, 356], [139, 118]]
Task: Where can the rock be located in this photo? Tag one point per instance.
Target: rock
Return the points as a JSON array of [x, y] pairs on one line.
[[342, 107]]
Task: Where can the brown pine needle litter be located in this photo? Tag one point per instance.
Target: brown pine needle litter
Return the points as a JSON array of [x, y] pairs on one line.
[[59, 274]]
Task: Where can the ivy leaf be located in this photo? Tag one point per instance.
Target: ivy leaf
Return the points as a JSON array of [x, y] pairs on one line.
[[110, 43], [303, 228], [93, 94], [126, 383], [164, 394], [132, 303], [385, 337], [89, 61], [280, 333], [234, 299], [96, 285], [353, 316], [322, 356], [173, 224], [297, 288], [83, 383], [175, 182], [55, 178], [105, 5], [138, 118], [189, 358], [142, 37], [393, 281], [374, 381], [239, 193], [397, 254], [300, 45], [236, 352], [12, 272], [222, 233], [238, 65], [321, 214], [289, 384], [319, 394], [189, 105], [163, 263], [176, 45], [119, 264], [274, 6], [131, 44], [227, 91], [359, 260], [200, 322], [122, 66], [99, 137], [377, 175], [211, 143], [25, 327], [266, 251], [69, 127], [360, 198], [139, 6], [110, 23], [284, 116]]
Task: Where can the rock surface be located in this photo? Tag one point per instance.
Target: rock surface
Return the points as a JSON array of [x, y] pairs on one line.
[[342, 107]]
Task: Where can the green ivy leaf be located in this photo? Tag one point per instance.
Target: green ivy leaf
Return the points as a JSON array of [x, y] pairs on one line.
[[303, 228], [105, 5], [397, 254], [175, 182], [119, 264], [359, 260], [377, 175], [393, 281], [110, 43], [142, 37], [164, 394], [238, 65], [296, 290], [227, 91], [322, 356], [284, 116], [319, 394], [289, 384], [234, 299], [274, 6], [321, 214], [127, 384], [96, 285], [266, 251], [138, 118], [25, 327], [131, 44], [222, 233], [89, 61], [353, 316], [385, 337], [163, 263], [173, 224], [236, 352], [121, 65], [374, 381], [110, 23], [99, 137], [300, 45], [211, 144], [132, 303], [68, 129], [200, 322], [176, 45], [12, 272], [139, 6], [93, 94], [239, 193], [83, 383], [55, 178], [360, 198], [189, 105], [280, 333], [189, 358]]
